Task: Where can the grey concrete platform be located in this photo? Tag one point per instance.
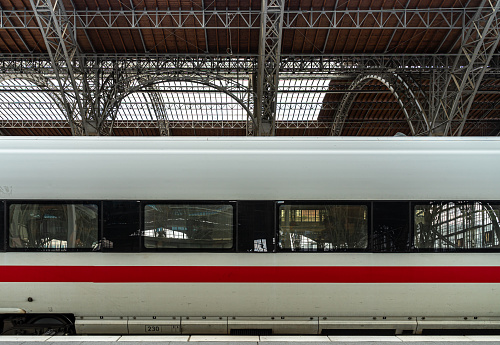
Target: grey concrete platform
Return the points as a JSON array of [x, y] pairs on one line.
[[251, 340]]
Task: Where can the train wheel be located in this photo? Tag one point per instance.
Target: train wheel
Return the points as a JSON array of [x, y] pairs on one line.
[[52, 324], [37, 325]]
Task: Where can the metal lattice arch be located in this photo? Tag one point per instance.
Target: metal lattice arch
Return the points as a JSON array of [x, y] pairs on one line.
[[162, 110], [403, 92]]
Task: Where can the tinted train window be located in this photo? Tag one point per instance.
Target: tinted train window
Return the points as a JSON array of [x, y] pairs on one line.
[[456, 225], [2, 226], [323, 227], [53, 227], [391, 226], [121, 226], [188, 226], [256, 223]]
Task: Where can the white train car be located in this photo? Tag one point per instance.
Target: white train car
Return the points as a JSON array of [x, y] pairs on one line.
[[249, 235]]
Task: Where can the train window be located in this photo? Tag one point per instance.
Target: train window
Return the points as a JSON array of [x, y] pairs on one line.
[[188, 226], [53, 227], [456, 225], [256, 226], [121, 226], [391, 226], [2, 226], [323, 227]]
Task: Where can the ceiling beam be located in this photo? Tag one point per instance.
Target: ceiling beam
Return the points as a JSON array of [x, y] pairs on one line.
[[223, 19], [10, 23], [295, 64]]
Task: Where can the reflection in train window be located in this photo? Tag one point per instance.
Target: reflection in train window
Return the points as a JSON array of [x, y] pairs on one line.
[[121, 226], [457, 225], [53, 227], [177, 226], [256, 224], [391, 226], [323, 227]]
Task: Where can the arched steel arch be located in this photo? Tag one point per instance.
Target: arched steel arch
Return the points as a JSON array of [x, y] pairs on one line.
[[404, 94], [137, 83]]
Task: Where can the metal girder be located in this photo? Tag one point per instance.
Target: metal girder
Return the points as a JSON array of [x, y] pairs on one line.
[[487, 127], [223, 19], [267, 78], [61, 45], [405, 95], [161, 113], [9, 21], [33, 123], [463, 80], [298, 65]]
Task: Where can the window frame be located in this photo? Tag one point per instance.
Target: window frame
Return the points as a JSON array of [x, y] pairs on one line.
[[369, 227], [414, 249], [142, 224], [3, 226], [8, 203]]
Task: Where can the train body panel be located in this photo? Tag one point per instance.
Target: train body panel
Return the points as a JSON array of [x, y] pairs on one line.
[[255, 300], [126, 297], [250, 169], [118, 235]]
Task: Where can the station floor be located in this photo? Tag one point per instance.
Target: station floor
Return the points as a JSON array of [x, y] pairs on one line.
[[252, 340]]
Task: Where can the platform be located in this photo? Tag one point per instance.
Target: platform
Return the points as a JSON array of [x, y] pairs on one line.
[[252, 340]]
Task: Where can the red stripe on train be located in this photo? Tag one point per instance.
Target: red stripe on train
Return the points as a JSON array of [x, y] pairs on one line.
[[252, 274]]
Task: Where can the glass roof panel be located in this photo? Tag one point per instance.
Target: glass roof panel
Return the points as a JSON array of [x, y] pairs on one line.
[[182, 101], [23, 100], [300, 99]]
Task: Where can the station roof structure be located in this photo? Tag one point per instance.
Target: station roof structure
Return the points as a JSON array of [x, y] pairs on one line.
[[250, 67]]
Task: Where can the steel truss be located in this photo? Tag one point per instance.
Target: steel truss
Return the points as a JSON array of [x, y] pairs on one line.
[[220, 19], [460, 85], [267, 77], [111, 78], [60, 41], [235, 66], [159, 109], [161, 112]]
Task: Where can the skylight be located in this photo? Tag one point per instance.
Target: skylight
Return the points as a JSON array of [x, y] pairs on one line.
[[23, 100], [300, 99], [182, 101]]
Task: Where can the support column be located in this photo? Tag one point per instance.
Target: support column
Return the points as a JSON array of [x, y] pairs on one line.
[[60, 41], [271, 27]]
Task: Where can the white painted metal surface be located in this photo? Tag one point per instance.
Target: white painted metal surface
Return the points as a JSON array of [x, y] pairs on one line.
[[339, 302], [250, 168]]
